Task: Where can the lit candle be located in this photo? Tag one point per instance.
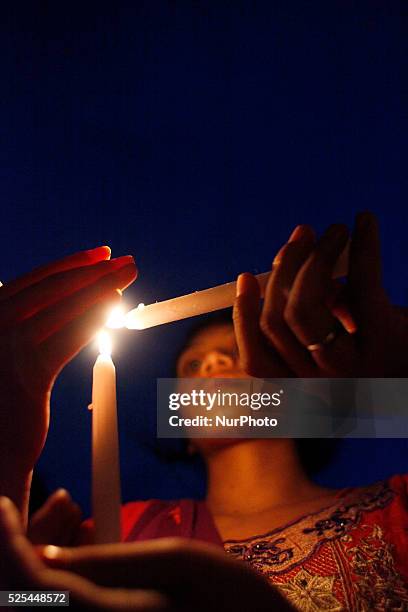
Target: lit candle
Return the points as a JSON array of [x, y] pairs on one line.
[[200, 302], [106, 497]]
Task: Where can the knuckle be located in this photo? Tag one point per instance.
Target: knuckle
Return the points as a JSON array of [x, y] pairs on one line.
[[269, 324], [247, 364], [297, 315], [243, 308], [238, 309]]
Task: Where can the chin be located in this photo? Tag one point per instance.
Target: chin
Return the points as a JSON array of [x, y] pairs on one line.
[[206, 446]]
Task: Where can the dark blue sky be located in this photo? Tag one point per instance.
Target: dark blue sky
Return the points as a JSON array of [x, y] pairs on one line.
[[193, 135]]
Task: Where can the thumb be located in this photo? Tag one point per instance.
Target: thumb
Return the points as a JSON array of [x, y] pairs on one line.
[[246, 311], [256, 359], [56, 521], [19, 564]]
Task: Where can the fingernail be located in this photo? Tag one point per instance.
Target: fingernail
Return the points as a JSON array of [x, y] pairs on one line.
[[101, 251], [62, 493], [51, 552], [280, 254], [240, 285], [296, 234]]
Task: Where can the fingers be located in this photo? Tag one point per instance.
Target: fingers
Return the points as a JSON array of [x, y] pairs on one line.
[[173, 566], [307, 312], [21, 568], [365, 284], [159, 563], [60, 331], [83, 258], [60, 347], [54, 288], [19, 564], [85, 596], [56, 521], [50, 320], [338, 302], [255, 358], [273, 324]]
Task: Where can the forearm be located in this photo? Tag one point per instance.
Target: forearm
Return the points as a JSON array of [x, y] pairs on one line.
[[16, 485]]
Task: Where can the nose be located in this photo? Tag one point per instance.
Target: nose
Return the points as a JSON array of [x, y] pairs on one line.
[[216, 362]]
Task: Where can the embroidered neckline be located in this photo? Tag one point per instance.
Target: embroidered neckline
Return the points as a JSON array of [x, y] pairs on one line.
[[355, 495]]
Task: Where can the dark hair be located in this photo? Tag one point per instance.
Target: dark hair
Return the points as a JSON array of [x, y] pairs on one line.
[[316, 453]]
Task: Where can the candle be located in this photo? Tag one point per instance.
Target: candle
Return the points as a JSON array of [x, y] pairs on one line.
[[200, 302], [106, 498]]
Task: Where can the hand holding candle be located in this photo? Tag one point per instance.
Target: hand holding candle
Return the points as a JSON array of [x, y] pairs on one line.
[[46, 317], [199, 302]]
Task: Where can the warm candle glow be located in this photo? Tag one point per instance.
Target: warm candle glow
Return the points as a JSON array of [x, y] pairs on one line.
[[135, 312], [105, 343], [116, 318]]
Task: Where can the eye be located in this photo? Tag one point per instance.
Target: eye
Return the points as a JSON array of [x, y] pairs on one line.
[[194, 365]]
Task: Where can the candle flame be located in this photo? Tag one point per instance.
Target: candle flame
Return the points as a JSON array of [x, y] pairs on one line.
[[116, 318], [131, 317], [105, 344]]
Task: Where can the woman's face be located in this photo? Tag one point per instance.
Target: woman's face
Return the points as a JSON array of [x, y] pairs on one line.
[[212, 353]]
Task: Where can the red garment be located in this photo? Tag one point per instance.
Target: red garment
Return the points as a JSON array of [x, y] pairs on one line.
[[351, 555]]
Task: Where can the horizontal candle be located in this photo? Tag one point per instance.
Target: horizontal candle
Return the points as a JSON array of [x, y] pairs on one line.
[[201, 302]]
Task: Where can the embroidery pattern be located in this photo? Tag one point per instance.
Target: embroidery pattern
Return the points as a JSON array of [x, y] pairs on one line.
[[377, 584], [298, 541], [311, 593], [329, 560], [263, 553]]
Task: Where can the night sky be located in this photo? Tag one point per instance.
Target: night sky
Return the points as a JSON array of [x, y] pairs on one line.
[[194, 136]]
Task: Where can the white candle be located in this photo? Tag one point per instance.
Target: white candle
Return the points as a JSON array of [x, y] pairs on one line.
[[200, 302], [106, 497]]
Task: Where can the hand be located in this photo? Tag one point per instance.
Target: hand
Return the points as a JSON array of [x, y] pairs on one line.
[[166, 574], [21, 568], [56, 522], [192, 575], [46, 317], [366, 335]]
